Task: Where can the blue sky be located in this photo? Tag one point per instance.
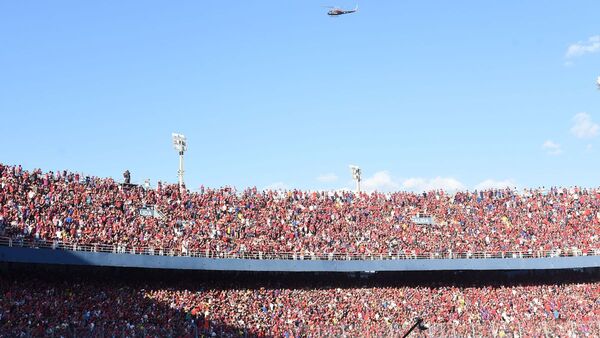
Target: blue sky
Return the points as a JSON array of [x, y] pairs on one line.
[[420, 94]]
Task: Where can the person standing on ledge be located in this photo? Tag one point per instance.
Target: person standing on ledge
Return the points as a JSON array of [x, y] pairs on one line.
[[127, 176]]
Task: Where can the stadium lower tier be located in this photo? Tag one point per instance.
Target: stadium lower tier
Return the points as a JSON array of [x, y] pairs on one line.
[[55, 305]]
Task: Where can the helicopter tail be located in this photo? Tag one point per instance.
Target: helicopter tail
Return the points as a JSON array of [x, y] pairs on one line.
[[356, 8]]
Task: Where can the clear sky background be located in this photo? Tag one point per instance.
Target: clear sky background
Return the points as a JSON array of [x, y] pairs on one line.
[[420, 94]]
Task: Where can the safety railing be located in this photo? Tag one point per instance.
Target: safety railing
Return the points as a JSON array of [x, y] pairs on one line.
[[397, 255]]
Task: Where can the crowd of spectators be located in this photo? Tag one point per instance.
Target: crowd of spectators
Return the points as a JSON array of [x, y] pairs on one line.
[[64, 206], [391, 310], [34, 307], [68, 207]]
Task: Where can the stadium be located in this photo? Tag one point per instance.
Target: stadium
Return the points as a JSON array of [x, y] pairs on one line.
[[394, 169], [89, 256]]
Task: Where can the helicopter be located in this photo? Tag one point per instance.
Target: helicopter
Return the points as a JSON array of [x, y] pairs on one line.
[[335, 11]]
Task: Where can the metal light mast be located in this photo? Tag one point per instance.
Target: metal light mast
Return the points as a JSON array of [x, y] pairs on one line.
[[180, 144], [355, 170]]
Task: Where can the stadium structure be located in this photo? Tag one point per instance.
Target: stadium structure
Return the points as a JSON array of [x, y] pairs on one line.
[[85, 256]]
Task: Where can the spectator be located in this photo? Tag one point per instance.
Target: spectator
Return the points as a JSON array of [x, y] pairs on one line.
[[127, 176]]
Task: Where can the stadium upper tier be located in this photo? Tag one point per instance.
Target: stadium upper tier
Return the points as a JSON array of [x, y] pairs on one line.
[[65, 207]]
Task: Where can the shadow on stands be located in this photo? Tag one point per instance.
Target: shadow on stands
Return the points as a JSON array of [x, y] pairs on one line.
[[62, 301], [221, 279]]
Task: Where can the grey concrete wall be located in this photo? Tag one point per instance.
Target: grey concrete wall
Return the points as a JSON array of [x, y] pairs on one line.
[[49, 256]]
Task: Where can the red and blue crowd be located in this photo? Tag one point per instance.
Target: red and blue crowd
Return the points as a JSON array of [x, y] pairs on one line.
[[67, 207], [32, 307], [64, 206]]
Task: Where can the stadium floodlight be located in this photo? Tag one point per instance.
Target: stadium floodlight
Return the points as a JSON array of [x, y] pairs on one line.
[[355, 170], [180, 144]]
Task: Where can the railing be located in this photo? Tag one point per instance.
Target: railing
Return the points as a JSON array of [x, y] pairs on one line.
[[125, 249]]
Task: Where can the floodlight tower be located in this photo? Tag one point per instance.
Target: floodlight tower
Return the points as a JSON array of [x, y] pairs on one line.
[[355, 170], [180, 144]]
